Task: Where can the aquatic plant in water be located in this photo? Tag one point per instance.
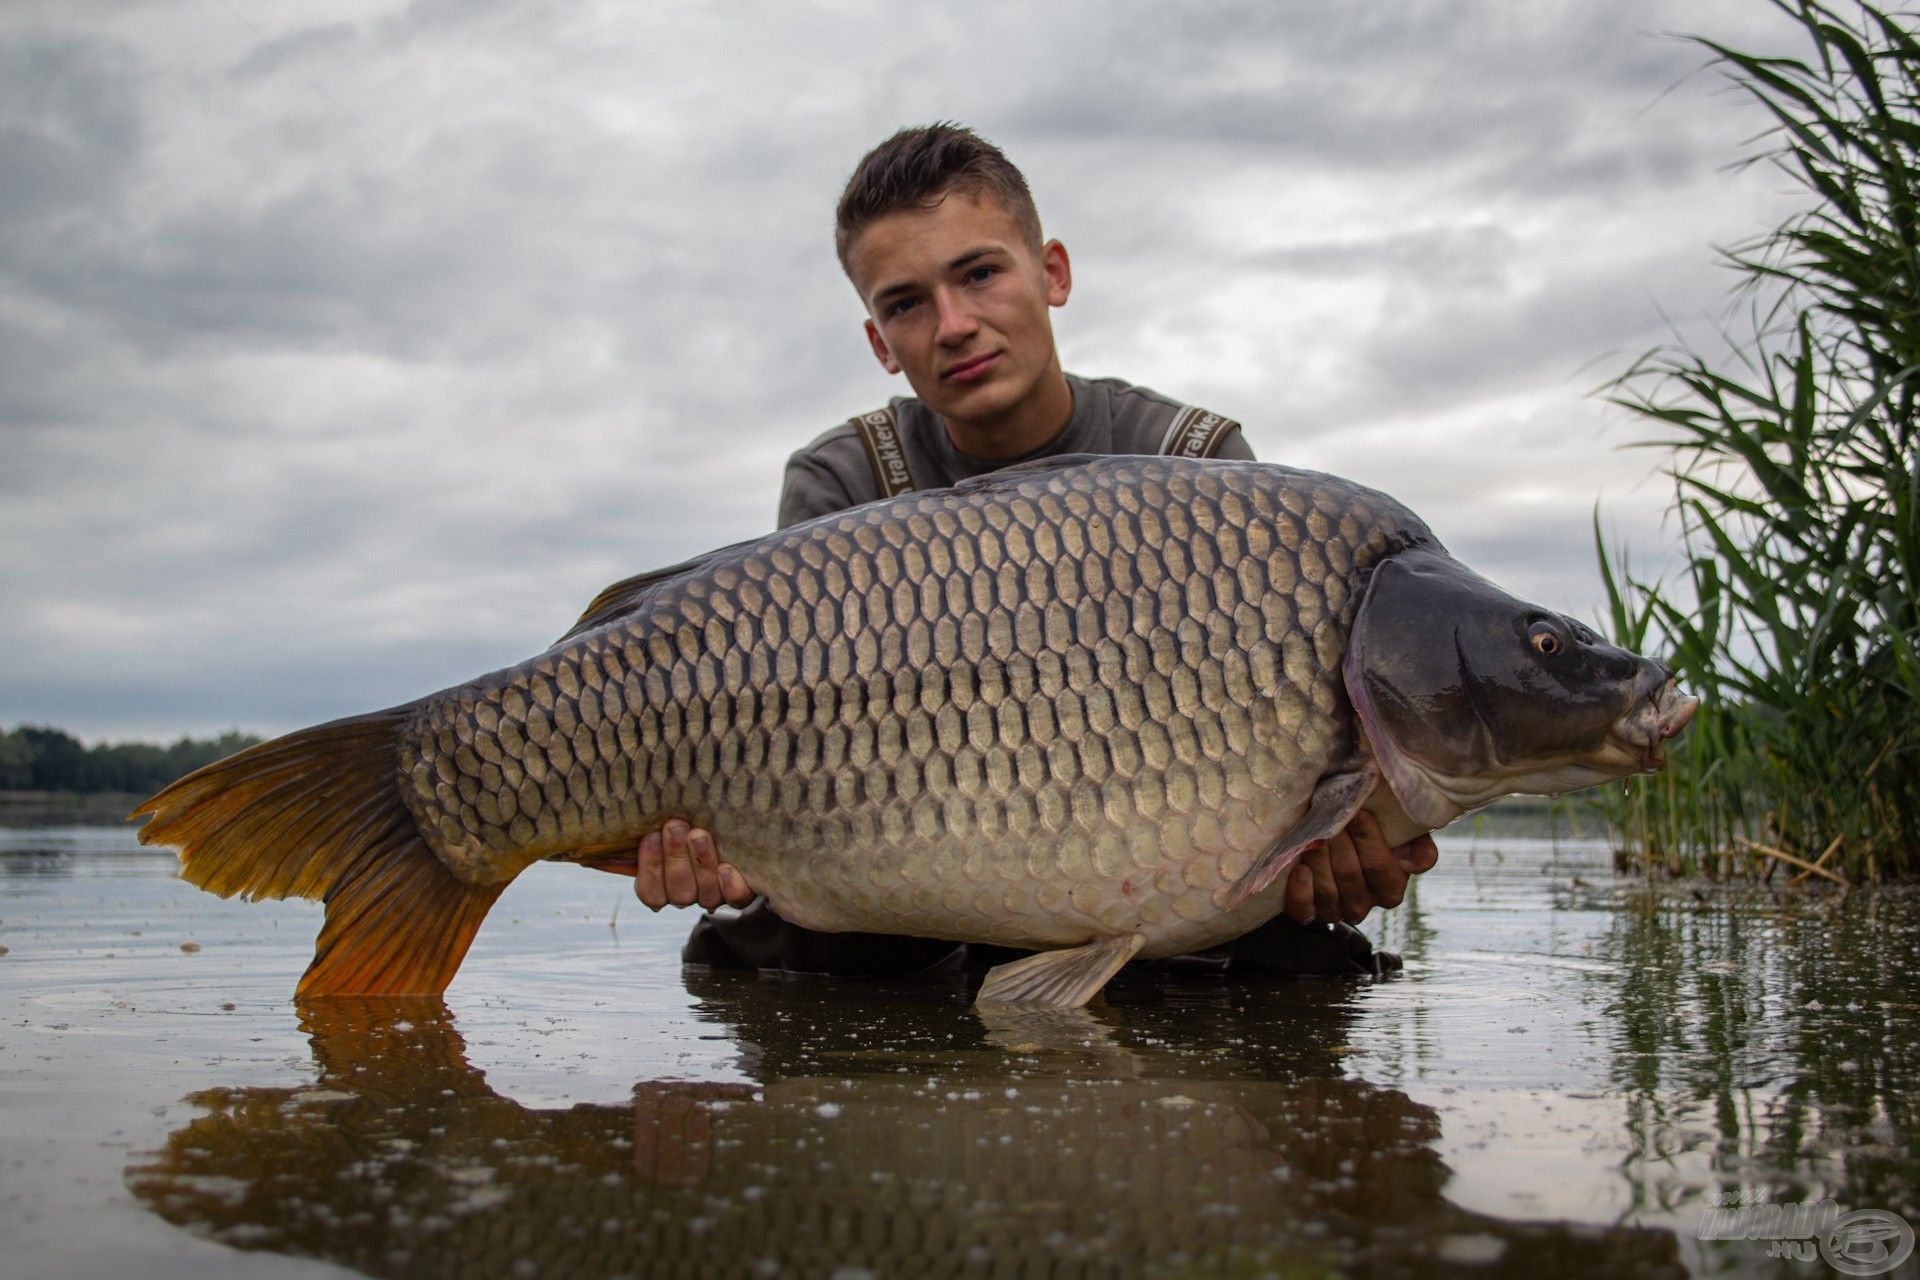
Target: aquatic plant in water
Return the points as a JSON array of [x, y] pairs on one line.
[[1797, 488]]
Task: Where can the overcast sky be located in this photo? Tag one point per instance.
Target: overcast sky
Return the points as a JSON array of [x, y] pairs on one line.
[[347, 349]]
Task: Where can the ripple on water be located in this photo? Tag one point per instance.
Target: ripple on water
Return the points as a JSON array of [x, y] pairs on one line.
[[1568, 1068]]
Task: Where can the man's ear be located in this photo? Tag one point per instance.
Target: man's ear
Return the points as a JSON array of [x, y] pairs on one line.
[[1059, 272], [880, 351]]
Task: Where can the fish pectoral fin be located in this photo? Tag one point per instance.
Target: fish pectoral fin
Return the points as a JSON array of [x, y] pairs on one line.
[[1335, 800], [1060, 979]]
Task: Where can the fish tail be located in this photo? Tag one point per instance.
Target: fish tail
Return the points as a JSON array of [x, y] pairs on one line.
[[318, 814]]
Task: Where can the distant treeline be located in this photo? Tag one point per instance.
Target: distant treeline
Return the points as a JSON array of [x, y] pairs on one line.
[[36, 758]]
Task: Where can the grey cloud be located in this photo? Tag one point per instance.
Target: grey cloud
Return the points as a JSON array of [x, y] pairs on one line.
[[70, 125], [44, 382], [280, 52], [346, 356], [1370, 87], [1475, 255], [1460, 343]]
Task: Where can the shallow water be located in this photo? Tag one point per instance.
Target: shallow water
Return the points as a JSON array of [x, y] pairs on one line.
[[1571, 1071]]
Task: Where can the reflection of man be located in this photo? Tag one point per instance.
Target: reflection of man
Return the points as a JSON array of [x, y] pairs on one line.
[[938, 233]]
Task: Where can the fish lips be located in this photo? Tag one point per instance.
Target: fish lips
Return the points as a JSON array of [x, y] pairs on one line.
[[1655, 721]]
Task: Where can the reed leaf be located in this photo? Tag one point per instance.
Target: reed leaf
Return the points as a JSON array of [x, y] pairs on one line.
[[1797, 489]]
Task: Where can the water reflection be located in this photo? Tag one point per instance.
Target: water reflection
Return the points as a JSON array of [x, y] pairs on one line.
[[895, 1134], [1766, 1044], [35, 862], [43, 853]]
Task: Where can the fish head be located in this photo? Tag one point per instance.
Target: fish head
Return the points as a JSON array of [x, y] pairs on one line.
[[1467, 693]]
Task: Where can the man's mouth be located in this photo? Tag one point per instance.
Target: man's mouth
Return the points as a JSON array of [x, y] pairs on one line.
[[971, 369]]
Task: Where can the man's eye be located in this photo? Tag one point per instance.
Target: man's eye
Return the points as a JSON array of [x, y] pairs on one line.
[[900, 306], [979, 275]]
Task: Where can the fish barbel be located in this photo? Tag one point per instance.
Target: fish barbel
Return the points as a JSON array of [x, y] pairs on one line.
[[1095, 707]]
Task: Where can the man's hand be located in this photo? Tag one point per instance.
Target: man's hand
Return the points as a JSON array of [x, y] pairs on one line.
[[679, 866], [1356, 871]]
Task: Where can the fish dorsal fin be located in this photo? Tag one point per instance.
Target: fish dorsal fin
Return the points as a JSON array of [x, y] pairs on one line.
[[625, 597], [1018, 471]]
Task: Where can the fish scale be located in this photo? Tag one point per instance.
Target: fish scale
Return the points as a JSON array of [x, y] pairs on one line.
[[1033, 710], [1097, 707]]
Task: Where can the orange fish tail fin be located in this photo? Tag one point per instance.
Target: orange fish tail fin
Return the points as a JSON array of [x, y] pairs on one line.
[[402, 927], [318, 814]]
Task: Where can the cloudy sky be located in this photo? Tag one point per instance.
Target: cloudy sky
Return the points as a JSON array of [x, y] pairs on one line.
[[347, 348]]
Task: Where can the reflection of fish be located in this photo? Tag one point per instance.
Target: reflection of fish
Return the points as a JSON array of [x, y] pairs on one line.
[[401, 1160], [1096, 707]]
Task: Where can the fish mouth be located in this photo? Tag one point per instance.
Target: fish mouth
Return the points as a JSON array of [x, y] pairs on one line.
[[1657, 720]]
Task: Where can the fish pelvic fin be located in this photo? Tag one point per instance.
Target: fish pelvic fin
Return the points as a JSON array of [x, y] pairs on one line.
[[319, 814], [1059, 979], [1335, 800]]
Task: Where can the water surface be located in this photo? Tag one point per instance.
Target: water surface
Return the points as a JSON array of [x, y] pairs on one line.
[[1571, 1071]]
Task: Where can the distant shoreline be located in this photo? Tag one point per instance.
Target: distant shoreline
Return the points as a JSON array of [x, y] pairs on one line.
[[66, 808]]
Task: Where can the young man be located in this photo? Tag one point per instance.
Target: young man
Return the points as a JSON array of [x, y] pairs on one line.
[[939, 235]]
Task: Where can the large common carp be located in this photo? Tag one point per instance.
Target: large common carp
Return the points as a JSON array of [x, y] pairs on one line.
[[1095, 706]]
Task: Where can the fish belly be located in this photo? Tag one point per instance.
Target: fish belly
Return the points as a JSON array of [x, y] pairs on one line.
[[1054, 706]]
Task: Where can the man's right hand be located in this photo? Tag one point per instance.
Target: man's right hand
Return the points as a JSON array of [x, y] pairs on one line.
[[680, 866]]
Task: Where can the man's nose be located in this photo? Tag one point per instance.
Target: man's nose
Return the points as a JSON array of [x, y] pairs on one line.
[[957, 321]]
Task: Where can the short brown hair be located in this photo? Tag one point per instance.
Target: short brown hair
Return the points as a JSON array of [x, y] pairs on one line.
[[917, 167]]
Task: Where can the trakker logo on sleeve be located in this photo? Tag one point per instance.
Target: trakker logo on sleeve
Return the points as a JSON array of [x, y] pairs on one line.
[[881, 436], [1195, 433]]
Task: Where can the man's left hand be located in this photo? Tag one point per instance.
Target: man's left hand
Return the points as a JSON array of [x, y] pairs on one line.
[[1356, 871]]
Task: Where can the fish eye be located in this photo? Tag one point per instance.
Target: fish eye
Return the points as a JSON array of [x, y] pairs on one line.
[[1545, 639]]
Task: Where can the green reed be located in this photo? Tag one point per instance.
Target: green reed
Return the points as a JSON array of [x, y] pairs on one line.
[[1797, 493]]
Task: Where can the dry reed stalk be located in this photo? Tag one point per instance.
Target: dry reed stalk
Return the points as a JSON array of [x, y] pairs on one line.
[[1818, 863], [1767, 850]]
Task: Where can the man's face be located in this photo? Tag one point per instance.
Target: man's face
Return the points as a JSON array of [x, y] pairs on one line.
[[957, 300]]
